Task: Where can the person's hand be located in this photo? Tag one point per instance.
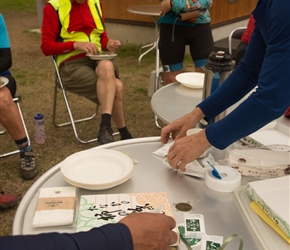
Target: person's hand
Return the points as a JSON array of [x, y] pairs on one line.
[[113, 45], [177, 129], [165, 7], [150, 230], [187, 149], [87, 47]]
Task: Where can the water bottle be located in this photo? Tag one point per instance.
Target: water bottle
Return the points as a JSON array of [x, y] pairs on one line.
[[39, 135], [217, 69]]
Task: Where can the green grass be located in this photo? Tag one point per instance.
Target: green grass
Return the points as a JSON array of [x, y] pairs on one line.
[[17, 5]]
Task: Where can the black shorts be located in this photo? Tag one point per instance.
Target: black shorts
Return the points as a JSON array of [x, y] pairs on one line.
[[173, 41]]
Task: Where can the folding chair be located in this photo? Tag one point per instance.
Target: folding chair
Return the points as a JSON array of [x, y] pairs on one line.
[[235, 34], [72, 121], [16, 99]]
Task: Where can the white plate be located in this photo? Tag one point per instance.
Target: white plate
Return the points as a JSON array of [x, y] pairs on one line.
[[102, 57], [191, 79], [97, 169], [4, 81], [274, 133]]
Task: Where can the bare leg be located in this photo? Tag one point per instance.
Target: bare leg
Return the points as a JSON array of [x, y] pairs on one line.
[[9, 115], [110, 92], [106, 85], [118, 110], [169, 77]]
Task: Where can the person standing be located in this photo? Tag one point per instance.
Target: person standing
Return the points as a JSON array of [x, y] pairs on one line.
[[265, 65], [176, 34]]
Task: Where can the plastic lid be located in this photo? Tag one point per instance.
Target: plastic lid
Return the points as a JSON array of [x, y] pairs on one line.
[[38, 116]]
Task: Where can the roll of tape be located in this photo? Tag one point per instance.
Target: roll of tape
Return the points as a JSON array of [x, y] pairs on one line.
[[231, 179]]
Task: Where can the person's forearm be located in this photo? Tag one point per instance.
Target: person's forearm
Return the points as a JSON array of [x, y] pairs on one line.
[[109, 237]]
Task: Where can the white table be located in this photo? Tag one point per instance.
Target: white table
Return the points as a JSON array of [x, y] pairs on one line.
[[154, 12], [173, 101], [221, 213]]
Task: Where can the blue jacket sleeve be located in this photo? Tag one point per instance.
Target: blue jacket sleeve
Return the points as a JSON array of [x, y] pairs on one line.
[[266, 65], [109, 237]]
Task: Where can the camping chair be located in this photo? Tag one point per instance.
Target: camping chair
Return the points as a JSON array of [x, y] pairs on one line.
[[158, 79], [16, 99], [59, 86], [235, 36]]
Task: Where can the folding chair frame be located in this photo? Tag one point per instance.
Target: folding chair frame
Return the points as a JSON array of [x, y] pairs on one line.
[[72, 122], [235, 34], [16, 99]]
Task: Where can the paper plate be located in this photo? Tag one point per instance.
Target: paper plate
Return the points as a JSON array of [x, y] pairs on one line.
[[191, 79], [97, 169], [3, 81], [102, 56]]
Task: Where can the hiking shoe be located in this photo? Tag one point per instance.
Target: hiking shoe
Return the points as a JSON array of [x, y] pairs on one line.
[[7, 200], [105, 135], [27, 169]]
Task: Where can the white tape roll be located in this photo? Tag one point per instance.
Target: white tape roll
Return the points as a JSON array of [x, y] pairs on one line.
[[231, 179]]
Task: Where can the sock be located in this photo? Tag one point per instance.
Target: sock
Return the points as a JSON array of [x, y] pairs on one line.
[[125, 134], [106, 120], [23, 145]]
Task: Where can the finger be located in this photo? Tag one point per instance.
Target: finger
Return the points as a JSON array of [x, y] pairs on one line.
[[171, 222], [173, 237]]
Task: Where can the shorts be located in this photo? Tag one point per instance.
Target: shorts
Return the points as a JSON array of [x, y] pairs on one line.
[[173, 41], [78, 76], [11, 84]]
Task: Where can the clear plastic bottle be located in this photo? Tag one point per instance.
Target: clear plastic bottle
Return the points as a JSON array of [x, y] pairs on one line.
[[39, 134]]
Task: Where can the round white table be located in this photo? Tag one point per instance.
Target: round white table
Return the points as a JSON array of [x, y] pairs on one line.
[[173, 101], [154, 12], [221, 213]]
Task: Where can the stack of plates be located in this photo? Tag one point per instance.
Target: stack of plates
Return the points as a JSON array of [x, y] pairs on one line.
[[191, 79], [3, 81], [97, 169], [102, 56]]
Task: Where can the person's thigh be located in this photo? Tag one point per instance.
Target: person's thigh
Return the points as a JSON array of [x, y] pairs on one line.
[[171, 44], [79, 77], [200, 40]]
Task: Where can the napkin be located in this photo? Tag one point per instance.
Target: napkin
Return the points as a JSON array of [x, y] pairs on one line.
[[193, 168], [55, 207], [259, 162]]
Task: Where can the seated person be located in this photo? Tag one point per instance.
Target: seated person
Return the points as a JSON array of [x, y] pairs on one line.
[[9, 113], [245, 39], [71, 31]]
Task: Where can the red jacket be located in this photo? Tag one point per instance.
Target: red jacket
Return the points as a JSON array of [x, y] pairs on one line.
[[247, 34], [81, 19]]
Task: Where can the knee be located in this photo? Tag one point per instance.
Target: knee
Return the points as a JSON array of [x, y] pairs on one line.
[[105, 66]]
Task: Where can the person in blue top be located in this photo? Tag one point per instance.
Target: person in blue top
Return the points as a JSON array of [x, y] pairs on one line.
[[9, 113], [176, 34], [265, 65]]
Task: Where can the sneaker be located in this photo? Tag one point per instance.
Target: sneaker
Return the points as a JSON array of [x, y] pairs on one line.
[[105, 135], [28, 169], [7, 200]]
